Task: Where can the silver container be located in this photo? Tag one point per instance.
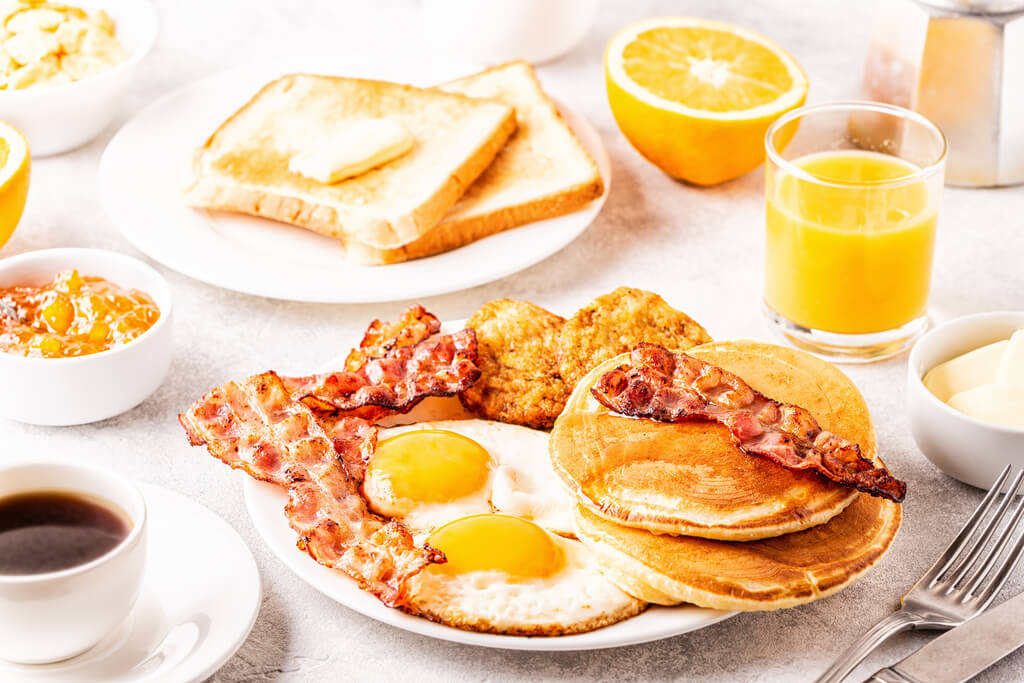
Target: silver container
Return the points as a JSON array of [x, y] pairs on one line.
[[961, 64]]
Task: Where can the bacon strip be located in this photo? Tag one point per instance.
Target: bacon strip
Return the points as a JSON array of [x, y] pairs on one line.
[[671, 387], [354, 456], [314, 436], [233, 425], [395, 382], [255, 426], [415, 325]]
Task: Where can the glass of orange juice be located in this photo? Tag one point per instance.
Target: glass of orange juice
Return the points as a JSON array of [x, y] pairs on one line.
[[852, 192]]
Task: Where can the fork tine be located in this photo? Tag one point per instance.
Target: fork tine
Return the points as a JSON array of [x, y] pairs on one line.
[[990, 592], [956, 547], [997, 550], [979, 546]]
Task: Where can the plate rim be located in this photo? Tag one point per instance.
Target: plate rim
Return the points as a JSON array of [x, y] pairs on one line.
[[301, 565], [123, 218]]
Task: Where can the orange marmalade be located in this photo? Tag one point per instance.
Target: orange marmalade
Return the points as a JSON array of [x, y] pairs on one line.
[[72, 316]]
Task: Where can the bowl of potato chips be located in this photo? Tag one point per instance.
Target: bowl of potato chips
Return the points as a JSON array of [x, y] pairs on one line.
[[63, 66]]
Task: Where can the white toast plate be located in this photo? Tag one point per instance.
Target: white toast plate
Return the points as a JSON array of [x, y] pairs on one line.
[[266, 502], [200, 598], [147, 163]]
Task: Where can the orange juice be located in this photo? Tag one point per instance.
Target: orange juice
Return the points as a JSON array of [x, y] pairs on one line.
[[851, 254]]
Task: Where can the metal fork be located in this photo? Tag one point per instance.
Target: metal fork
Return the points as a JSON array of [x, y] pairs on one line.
[[960, 585]]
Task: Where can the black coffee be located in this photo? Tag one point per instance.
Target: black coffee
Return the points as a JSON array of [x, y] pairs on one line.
[[47, 531]]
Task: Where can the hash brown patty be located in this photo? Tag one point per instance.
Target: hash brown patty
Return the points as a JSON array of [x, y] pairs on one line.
[[616, 322], [517, 355]]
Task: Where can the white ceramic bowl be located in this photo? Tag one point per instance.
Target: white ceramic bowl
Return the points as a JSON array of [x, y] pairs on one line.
[[62, 117], [493, 31], [68, 391], [965, 448], [57, 615]]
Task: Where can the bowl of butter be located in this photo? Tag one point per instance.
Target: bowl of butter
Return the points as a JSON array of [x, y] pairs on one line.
[[965, 395], [64, 66]]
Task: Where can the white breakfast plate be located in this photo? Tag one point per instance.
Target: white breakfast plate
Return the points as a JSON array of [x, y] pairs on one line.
[[200, 598], [266, 502], [266, 507], [147, 164]]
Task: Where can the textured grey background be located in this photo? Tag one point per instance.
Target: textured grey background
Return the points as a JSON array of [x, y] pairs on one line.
[[700, 248]]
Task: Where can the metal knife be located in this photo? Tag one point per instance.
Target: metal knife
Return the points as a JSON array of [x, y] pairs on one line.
[[965, 651]]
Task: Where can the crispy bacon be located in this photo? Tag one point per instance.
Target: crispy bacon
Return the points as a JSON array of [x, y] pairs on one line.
[[395, 382], [314, 435], [230, 422], [415, 325], [671, 387], [339, 429], [256, 426]]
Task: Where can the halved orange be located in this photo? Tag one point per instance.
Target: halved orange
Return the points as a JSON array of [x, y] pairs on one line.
[[696, 96], [15, 164]]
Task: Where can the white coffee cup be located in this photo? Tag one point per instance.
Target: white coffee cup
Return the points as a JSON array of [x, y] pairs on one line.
[[57, 615], [492, 31]]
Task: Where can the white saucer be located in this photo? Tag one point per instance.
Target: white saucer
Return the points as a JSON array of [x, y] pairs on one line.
[[146, 165], [199, 601], [265, 503]]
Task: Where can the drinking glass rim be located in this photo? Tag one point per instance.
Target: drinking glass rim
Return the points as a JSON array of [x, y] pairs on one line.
[[961, 10], [775, 155]]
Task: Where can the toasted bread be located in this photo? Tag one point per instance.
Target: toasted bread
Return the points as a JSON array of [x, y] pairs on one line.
[[244, 165], [541, 173]]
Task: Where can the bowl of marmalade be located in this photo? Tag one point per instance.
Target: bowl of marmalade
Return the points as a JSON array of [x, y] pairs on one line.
[[85, 335]]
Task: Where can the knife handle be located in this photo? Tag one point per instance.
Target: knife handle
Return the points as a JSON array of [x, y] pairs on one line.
[[890, 675]]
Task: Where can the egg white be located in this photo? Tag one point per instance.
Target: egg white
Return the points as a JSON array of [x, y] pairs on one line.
[[521, 483], [575, 599]]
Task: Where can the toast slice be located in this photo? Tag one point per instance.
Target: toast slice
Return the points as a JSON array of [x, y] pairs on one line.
[[244, 165], [541, 173]]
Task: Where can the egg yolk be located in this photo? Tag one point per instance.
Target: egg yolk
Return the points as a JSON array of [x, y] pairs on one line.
[[492, 542], [431, 465]]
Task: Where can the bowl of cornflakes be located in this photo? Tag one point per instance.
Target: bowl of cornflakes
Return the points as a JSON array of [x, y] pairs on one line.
[[63, 66]]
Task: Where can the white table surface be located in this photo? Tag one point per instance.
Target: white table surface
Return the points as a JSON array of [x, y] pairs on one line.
[[700, 248]]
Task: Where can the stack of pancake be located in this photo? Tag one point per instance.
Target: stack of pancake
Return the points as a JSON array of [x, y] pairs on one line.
[[677, 513]]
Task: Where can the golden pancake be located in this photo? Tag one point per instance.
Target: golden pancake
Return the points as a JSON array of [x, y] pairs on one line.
[[758, 575], [689, 478]]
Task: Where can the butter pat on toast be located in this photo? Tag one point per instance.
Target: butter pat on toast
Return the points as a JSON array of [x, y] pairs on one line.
[[364, 145], [541, 173], [244, 164]]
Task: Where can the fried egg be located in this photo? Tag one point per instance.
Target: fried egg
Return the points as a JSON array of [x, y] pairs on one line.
[[428, 474], [507, 575], [485, 494]]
